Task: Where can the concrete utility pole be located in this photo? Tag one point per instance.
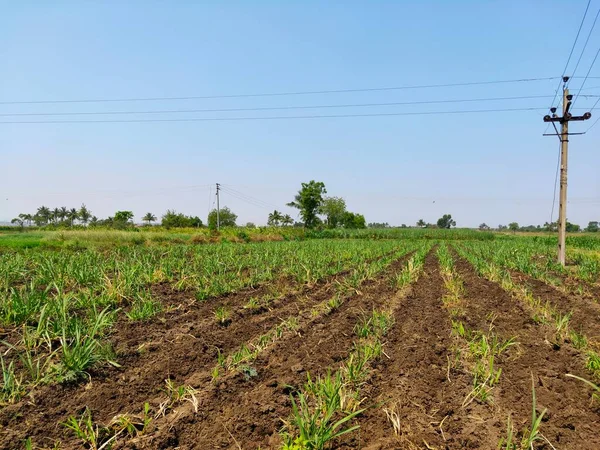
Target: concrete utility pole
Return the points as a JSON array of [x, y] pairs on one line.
[[564, 154], [218, 208]]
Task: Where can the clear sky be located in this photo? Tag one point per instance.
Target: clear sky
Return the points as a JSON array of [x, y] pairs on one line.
[[488, 167]]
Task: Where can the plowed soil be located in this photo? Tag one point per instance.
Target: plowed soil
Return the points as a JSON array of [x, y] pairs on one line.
[[415, 379]]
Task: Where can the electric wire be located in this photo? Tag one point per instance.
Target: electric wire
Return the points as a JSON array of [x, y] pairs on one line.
[[275, 108], [278, 94], [569, 58], [236, 119], [586, 77], [247, 198], [584, 47], [572, 49]]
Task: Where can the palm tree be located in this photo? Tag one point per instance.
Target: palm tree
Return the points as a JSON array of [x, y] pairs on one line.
[[63, 211], [26, 218], [72, 215], [93, 221], [274, 218], [149, 218], [56, 212], [43, 213], [287, 220], [421, 223], [84, 214], [17, 220]]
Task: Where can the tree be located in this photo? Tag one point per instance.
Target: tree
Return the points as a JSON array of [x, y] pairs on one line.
[[226, 218], [593, 227], [84, 214], [122, 219], [149, 218], [334, 208], [18, 221], [42, 216], [352, 220], [513, 226], [250, 225], [274, 218], [94, 221], [572, 227], [308, 200], [502, 227], [378, 225], [62, 214], [56, 214], [446, 221], [73, 215], [484, 227], [26, 218], [287, 220], [172, 219], [421, 223]]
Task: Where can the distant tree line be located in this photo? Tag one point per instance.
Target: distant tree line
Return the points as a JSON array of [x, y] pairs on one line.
[[592, 227]]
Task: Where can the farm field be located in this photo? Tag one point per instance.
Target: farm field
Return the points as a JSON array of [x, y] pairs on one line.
[[427, 340]]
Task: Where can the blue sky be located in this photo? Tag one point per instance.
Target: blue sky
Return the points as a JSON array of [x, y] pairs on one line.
[[493, 167]]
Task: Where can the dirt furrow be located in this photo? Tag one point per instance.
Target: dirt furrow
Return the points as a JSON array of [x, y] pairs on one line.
[[249, 411], [571, 422], [415, 383], [586, 312]]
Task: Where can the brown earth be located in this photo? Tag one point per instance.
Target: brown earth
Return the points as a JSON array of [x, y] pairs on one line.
[[185, 340], [416, 382], [249, 412], [415, 379], [585, 312], [571, 421]]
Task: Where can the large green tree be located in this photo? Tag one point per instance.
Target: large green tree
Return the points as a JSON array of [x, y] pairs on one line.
[[446, 221], [122, 219], [593, 227], [227, 218], [308, 201], [353, 220], [333, 208]]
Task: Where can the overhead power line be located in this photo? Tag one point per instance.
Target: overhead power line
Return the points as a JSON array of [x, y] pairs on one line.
[[247, 198], [584, 47], [280, 108], [277, 94], [586, 76], [236, 119], [571, 52]]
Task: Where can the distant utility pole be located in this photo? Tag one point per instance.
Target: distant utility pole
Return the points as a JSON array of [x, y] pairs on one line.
[[564, 154], [218, 208]]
